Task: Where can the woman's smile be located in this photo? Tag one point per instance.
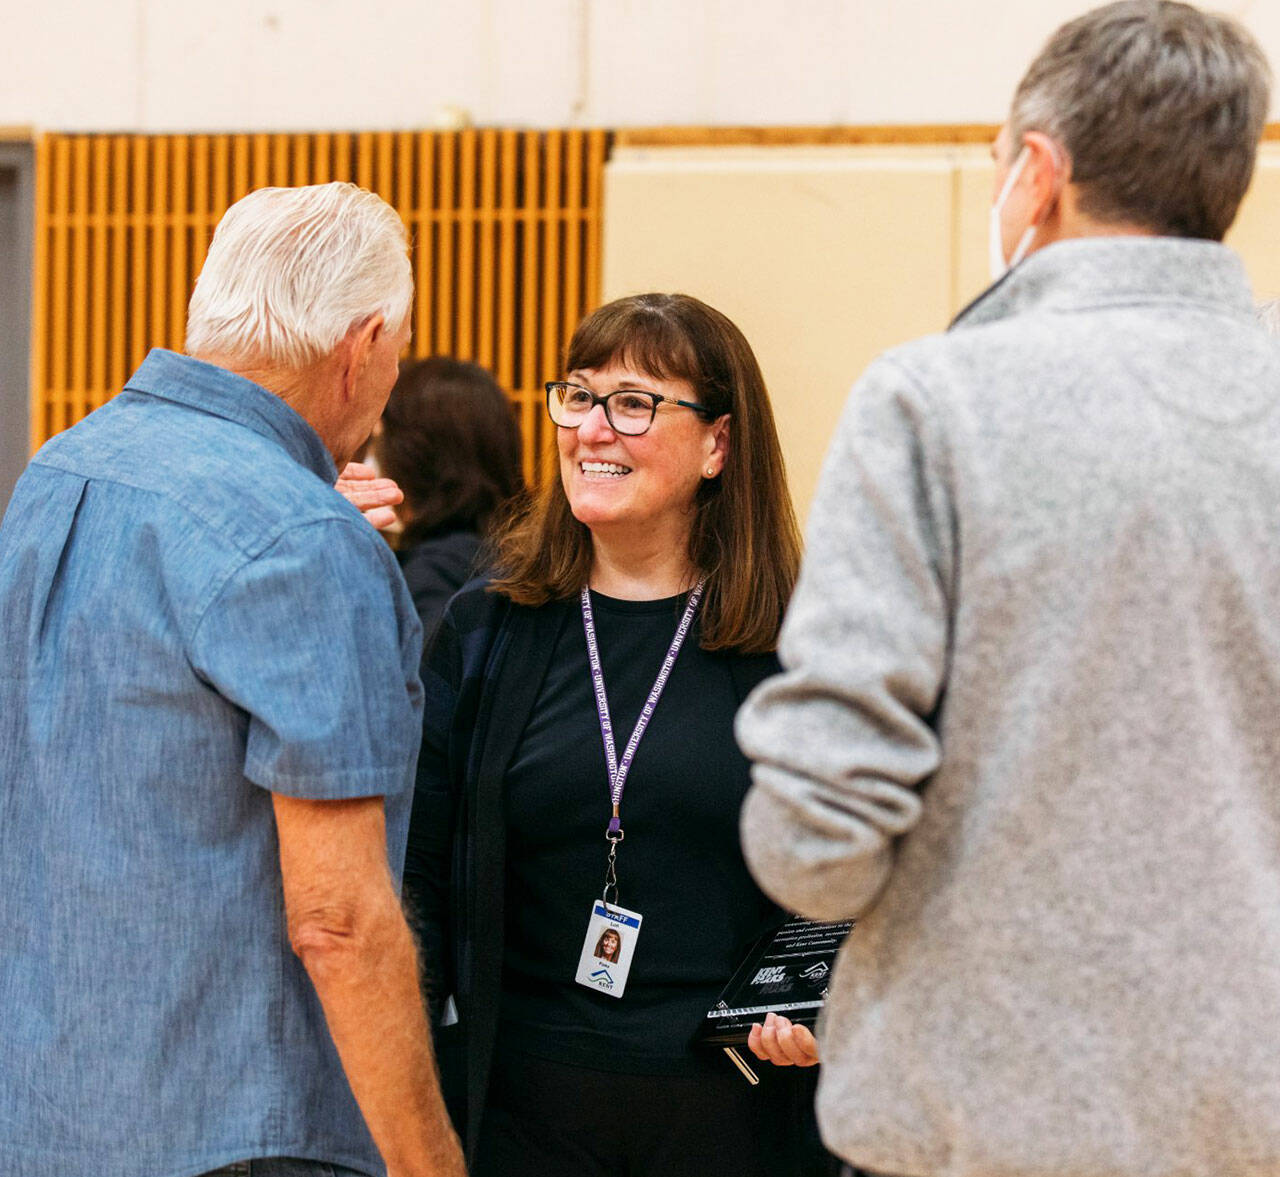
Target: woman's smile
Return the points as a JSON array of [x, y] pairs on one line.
[[603, 470]]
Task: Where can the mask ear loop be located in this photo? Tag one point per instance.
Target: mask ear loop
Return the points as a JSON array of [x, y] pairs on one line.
[[1059, 178], [1012, 178], [1024, 244], [996, 262]]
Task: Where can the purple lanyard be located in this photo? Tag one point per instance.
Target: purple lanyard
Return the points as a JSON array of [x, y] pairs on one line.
[[618, 769]]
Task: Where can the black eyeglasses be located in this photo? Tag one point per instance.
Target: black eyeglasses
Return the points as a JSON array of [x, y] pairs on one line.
[[628, 410]]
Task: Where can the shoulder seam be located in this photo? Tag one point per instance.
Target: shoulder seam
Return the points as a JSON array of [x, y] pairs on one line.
[[250, 557], [260, 545]]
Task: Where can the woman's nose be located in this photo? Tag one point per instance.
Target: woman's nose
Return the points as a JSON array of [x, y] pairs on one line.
[[595, 425]]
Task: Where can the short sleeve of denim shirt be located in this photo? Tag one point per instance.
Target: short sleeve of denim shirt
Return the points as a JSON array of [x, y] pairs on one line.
[[312, 641]]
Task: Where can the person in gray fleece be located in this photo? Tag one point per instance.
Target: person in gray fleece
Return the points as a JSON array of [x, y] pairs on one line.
[[1028, 727]]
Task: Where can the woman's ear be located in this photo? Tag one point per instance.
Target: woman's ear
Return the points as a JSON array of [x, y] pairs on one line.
[[718, 453]]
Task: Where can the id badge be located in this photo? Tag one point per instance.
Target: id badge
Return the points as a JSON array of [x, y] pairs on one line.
[[608, 947]]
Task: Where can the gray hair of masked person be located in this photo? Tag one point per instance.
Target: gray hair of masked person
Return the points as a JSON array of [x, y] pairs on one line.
[[291, 270], [1159, 108]]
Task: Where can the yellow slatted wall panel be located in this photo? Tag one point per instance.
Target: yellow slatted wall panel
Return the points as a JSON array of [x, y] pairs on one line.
[[505, 227]]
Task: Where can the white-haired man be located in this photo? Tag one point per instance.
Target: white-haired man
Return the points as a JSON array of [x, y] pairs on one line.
[[1028, 725], [208, 725]]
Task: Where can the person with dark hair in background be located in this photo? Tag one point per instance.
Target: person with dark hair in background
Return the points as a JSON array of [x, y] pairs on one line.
[[1028, 728], [647, 579], [449, 439]]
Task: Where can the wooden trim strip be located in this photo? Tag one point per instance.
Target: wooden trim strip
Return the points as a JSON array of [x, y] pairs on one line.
[[40, 430], [525, 390], [464, 289], [508, 317], [487, 229], [595, 216], [446, 230], [181, 278], [60, 312], [976, 133], [99, 382], [119, 316], [887, 135], [423, 245], [157, 246], [78, 382]]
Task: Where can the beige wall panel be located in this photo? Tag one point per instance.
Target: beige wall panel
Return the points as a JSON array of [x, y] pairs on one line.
[[1257, 228], [823, 259], [974, 178]]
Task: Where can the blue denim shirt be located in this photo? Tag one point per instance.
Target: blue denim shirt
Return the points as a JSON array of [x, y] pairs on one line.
[[191, 618]]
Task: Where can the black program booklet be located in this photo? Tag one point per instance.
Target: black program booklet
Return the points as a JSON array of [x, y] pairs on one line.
[[787, 971]]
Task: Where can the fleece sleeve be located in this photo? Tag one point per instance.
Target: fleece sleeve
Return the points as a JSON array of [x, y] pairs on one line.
[[842, 739]]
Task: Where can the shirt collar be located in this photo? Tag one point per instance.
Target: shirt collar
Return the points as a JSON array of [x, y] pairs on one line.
[[210, 389], [1101, 271]]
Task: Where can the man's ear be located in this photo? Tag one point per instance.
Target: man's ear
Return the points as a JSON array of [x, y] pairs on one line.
[[355, 349], [1048, 171]]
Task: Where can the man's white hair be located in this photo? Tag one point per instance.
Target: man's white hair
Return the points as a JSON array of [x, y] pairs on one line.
[[291, 270]]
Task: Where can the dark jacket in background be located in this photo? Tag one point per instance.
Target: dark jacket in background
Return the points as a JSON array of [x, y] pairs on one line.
[[435, 568]]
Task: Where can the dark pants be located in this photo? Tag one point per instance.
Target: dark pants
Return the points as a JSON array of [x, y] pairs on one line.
[[548, 1119], [283, 1167]]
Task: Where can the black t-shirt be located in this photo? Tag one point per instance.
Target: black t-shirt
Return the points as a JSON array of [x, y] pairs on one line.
[[680, 866]]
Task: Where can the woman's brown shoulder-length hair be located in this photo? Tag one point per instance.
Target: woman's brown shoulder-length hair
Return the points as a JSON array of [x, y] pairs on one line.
[[744, 536]]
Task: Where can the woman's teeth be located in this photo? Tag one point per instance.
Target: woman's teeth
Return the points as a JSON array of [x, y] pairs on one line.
[[605, 469]]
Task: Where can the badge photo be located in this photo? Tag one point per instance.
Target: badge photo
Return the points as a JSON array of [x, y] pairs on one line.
[[607, 948]]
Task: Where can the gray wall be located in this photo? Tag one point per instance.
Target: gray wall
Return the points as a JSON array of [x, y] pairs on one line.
[[17, 203]]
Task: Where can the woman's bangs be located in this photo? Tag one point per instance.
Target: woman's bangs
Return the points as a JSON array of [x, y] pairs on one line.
[[648, 344]]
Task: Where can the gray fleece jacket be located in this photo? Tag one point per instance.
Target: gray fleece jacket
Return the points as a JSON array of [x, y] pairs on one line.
[[1029, 731]]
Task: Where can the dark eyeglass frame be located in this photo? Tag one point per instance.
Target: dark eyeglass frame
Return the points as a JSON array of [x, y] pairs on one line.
[[654, 398]]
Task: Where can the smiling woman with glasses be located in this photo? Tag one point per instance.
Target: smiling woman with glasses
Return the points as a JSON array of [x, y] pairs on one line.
[[579, 774]]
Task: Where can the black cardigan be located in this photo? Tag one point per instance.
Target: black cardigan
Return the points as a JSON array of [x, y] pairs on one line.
[[488, 659]]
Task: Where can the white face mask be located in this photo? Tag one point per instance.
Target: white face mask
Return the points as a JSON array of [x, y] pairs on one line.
[[995, 230]]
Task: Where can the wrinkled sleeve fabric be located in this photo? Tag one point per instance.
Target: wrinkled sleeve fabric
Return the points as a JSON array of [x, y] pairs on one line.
[[311, 640], [841, 740]]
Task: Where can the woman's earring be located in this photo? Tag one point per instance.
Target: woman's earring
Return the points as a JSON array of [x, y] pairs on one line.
[[710, 472]]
